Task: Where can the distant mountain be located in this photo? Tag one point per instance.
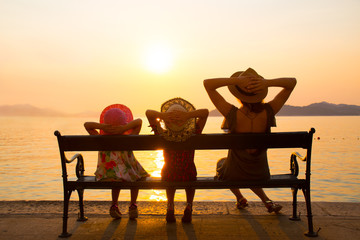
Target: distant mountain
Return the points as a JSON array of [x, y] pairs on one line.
[[321, 109], [29, 110], [315, 109]]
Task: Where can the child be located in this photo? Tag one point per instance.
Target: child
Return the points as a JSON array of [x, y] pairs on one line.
[[181, 121], [118, 165]]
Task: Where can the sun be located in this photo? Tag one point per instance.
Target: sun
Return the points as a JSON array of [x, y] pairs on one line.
[[159, 58]]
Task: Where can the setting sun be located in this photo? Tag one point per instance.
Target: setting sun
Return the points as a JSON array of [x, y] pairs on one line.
[[159, 58]]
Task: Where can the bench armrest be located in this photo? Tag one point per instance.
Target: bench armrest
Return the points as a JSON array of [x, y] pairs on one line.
[[298, 155], [80, 168], [294, 166]]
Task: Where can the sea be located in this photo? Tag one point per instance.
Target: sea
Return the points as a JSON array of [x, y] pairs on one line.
[[30, 166]]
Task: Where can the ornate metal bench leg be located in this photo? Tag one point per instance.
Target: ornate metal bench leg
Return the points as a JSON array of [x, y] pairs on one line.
[[64, 233], [81, 217], [294, 216], [311, 232]]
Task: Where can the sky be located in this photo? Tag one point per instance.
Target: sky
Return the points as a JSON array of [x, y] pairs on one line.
[[83, 55]]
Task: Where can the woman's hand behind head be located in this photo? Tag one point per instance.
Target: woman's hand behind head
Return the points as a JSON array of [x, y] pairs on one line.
[[256, 85]]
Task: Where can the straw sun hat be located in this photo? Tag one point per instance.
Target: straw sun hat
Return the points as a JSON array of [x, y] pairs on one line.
[[116, 114], [175, 132], [245, 96]]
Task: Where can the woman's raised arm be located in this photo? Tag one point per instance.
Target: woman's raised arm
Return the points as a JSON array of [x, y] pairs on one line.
[[288, 85], [211, 86]]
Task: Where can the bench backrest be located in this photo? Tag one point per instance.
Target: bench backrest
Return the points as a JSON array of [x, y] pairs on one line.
[[203, 141], [71, 143]]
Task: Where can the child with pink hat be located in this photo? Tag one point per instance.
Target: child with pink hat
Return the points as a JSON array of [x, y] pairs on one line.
[[118, 165]]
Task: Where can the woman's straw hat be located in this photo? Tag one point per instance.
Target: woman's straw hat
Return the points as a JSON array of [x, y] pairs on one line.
[[175, 132], [243, 95], [116, 114]]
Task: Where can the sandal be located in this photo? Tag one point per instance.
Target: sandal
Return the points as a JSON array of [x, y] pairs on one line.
[[115, 212], [170, 216], [133, 211], [242, 203], [272, 207], [187, 214]]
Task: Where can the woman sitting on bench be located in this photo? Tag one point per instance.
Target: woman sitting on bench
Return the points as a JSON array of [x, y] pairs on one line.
[[253, 116]]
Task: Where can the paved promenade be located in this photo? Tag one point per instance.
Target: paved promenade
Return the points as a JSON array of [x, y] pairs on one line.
[[211, 220]]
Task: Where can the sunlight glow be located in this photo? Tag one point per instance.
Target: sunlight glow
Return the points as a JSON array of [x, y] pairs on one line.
[[158, 195], [159, 58], [159, 162]]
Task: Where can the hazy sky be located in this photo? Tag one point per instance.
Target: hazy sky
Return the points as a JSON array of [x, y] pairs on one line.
[[80, 55]]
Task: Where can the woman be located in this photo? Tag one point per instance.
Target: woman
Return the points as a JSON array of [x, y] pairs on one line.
[[181, 121], [253, 116]]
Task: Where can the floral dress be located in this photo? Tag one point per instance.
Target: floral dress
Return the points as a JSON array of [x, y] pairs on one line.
[[119, 166]]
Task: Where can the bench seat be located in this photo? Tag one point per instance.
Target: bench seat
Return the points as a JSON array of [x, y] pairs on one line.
[[275, 181]]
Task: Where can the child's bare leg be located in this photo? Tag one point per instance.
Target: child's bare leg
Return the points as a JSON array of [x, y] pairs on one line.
[[190, 194], [170, 194], [115, 196], [170, 215], [133, 195], [133, 210], [114, 209]]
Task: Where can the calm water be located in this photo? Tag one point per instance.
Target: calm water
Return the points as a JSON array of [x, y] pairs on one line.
[[30, 164]]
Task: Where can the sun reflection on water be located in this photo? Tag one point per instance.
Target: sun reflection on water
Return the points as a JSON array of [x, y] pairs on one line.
[[159, 162], [158, 195]]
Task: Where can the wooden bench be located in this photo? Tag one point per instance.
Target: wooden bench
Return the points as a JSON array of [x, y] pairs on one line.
[[75, 143]]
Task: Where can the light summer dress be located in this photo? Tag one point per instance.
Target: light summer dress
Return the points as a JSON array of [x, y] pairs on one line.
[[239, 164], [119, 166]]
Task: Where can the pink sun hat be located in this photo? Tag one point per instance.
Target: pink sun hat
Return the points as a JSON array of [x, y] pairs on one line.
[[116, 114]]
